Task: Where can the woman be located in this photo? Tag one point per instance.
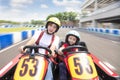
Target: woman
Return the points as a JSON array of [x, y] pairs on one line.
[[47, 38]]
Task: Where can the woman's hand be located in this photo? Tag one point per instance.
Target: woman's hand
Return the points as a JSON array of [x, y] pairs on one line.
[[21, 49]]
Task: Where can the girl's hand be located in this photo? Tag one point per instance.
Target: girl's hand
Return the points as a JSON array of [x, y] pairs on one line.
[[60, 52]]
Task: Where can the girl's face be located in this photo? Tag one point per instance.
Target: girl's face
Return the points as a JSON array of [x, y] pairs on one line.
[[72, 40], [51, 28]]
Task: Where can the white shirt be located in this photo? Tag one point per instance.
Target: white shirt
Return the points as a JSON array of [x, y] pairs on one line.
[[45, 40]]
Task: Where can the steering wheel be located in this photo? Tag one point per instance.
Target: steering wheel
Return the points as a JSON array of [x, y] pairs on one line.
[[37, 47], [80, 48], [31, 48]]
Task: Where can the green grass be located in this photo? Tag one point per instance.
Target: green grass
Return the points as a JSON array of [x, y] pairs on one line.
[[16, 29]]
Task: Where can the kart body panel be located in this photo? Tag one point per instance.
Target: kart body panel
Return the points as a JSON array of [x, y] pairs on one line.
[[81, 67], [31, 69]]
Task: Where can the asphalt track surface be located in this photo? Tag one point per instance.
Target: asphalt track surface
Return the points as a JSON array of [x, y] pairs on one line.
[[104, 47]]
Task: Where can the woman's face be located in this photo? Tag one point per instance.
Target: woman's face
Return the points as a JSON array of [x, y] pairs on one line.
[[72, 40], [51, 28]]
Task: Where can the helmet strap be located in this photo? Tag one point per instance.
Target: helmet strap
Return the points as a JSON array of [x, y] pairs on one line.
[[49, 33]]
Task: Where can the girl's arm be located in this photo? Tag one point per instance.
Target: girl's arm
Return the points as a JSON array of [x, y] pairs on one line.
[[60, 50]]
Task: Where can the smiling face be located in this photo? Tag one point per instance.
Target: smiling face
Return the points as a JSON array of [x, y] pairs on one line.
[[72, 40], [51, 28]]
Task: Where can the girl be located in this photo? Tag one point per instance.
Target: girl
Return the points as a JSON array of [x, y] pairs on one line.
[[72, 38]]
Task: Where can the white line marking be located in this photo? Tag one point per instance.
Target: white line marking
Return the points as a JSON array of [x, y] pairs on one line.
[[12, 46], [115, 42]]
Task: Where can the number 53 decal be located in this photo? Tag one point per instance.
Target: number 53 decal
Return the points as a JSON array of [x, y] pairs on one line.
[[81, 69], [31, 69], [25, 68]]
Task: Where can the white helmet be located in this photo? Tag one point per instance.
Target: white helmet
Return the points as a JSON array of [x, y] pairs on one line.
[[74, 33]]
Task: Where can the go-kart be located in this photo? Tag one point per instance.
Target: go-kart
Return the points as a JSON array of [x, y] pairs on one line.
[[82, 65], [32, 65]]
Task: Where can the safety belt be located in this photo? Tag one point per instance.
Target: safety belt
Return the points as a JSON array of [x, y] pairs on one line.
[[38, 40], [40, 36]]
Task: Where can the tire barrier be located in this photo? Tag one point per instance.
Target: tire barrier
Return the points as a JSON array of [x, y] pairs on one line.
[[67, 26], [105, 30]]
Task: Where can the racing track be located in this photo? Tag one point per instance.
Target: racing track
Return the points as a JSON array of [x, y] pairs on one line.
[[106, 50]]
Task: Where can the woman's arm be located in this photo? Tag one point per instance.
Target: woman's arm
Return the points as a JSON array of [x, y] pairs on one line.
[[30, 42]]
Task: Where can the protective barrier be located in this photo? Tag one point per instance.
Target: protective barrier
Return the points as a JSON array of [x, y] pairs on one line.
[[6, 40], [105, 30], [14, 37], [24, 35]]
